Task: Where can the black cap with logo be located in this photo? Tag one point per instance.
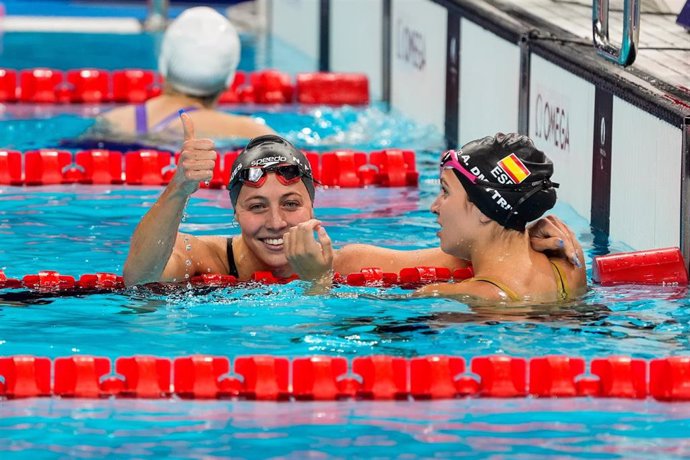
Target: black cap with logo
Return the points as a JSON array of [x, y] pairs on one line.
[[506, 177], [269, 153]]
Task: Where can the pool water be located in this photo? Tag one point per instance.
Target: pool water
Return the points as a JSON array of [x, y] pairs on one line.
[[85, 229]]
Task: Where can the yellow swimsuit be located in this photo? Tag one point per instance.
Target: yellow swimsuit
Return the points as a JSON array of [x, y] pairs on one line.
[[512, 295]]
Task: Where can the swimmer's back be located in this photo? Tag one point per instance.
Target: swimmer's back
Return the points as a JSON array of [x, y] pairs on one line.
[[208, 122], [543, 280]]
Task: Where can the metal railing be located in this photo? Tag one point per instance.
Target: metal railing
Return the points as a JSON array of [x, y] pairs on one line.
[[626, 53]]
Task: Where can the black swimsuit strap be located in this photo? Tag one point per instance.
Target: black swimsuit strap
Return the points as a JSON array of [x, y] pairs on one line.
[[231, 260]]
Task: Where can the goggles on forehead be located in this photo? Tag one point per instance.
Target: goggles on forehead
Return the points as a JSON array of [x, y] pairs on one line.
[[256, 176], [450, 161]]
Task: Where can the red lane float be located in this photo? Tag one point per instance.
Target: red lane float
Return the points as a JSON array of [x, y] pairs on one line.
[[42, 86], [377, 377], [148, 167], [47, 167], [656, 266], [396, 168], [53, 86], [135, 85], [319, 378], [11, 167], [344, 168], [8, 85], [332, 89], [669, 378], [88, 86], [100, 167], [435, 377], [25, 376]]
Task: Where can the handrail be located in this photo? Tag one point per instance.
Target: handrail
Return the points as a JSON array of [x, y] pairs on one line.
[[625, 55]]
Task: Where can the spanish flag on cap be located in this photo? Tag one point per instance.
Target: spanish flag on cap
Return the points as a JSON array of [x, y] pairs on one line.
[[514, 168]]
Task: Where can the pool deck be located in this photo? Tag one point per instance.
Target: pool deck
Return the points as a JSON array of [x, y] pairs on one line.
[[664, 45]]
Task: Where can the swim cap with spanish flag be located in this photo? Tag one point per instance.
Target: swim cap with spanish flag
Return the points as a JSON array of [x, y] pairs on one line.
[[506, 177]]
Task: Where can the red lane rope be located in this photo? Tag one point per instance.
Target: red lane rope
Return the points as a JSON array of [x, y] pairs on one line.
[[330, 378], [340, 168], [413, 277], [664, 266], [53, 86]]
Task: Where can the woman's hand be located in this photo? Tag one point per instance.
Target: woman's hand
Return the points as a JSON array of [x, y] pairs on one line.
[[197, 159], [311, 259], [550, 234]]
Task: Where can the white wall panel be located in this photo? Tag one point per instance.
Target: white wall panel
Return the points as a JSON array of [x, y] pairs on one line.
[[645, 179], [561, 123], [296, 22], [356, 40], [489, 83], [418, 60]]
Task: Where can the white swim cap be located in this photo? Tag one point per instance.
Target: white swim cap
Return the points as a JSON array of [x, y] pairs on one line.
[[200, 52]]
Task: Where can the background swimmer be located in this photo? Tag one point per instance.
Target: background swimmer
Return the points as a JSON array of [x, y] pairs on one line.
[[198, 59]]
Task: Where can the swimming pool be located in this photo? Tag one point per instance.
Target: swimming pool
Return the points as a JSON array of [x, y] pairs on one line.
[[79, 229]]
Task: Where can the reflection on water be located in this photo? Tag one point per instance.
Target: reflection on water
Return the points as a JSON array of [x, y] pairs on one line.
[[472, 428], [279, 319]]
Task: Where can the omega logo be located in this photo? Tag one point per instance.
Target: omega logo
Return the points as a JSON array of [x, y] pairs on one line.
[[411, 46], [552, 123]]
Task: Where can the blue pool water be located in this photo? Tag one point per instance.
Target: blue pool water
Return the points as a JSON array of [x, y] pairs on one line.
[[81, 229]]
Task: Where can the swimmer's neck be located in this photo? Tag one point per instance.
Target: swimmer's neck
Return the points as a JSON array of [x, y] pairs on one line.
[[176, 99], [174, 96], [510, 250]]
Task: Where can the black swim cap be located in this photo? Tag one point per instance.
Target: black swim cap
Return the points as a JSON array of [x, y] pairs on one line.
[[506, 177], [268, 153]]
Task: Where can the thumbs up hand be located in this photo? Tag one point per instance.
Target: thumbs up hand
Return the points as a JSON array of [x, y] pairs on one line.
[[197, 159]]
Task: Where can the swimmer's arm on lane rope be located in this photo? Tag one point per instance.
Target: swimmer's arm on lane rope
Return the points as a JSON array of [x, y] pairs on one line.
[[547, 234], [153, 242], [354, 257]]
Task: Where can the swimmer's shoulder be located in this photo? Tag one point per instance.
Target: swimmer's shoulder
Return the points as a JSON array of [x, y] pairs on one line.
[[118, 119], [213, 251], [220, 124], [575, 277]]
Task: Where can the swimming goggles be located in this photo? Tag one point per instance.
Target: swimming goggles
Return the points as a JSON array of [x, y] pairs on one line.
[[256, 176], [450, 161]]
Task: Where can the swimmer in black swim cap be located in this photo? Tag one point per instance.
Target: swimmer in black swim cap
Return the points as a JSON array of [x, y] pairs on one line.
[[490, 190], [266, 154]]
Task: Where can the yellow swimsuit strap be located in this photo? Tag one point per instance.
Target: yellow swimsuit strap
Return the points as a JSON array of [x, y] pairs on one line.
[[506, 290], [560, 281]]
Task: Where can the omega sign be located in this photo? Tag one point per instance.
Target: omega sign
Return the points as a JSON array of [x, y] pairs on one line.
[[551, 122], [411, 46]]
